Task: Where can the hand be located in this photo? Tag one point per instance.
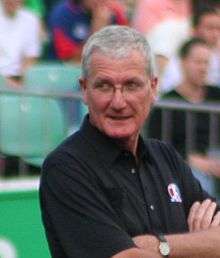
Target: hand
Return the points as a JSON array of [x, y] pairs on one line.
[[200, 162], [149, 242], [202, 216], [101, 16]]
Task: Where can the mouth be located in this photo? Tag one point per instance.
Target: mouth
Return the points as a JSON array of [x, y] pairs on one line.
[[120, 118]]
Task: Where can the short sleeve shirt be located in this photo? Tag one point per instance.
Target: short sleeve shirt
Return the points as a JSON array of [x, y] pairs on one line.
[[19, 39], [95, 197]]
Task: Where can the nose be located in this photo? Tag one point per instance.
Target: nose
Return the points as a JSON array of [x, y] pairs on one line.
[[118, 100]]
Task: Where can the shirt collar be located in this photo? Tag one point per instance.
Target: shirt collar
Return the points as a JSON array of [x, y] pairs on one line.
[[107, 148]]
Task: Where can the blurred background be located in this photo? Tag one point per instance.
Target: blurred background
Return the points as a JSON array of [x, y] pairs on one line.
[[40, 100]]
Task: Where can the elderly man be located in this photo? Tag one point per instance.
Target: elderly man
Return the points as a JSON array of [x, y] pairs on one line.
[[105, 193]]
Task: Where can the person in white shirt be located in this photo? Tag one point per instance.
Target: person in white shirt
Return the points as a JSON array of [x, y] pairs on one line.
[[20, 43]]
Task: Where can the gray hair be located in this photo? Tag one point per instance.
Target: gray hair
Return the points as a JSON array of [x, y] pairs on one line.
[[117, 41]]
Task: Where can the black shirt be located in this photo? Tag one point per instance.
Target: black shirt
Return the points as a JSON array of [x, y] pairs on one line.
[[178, 125], [95, 198]]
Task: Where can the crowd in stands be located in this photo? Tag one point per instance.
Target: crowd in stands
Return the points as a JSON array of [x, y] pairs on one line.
[[184, 35]]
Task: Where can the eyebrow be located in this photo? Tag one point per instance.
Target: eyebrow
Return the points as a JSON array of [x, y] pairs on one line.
[[110, 80]]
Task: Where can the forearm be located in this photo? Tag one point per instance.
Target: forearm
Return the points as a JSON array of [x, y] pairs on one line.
[[137, 253], [28, 62], [209, 165], [201, 244]]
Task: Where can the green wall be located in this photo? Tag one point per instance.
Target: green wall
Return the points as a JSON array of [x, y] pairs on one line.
[[20, 224]]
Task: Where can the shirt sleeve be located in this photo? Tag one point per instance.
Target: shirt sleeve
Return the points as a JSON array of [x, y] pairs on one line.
[[78, 218]]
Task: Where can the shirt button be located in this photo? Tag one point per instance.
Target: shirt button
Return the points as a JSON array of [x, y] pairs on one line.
[[133, 171], [152, 207]]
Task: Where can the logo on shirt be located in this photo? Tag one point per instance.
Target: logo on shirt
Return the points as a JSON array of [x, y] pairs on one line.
[[174, 193]]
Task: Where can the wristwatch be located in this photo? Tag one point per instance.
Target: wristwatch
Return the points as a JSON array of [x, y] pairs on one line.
[[164, 247]]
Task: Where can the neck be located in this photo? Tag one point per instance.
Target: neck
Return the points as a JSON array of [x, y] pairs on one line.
[[9, 13], [129, 145], [192, 93]]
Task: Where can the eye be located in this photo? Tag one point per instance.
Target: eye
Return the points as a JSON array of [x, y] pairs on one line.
[[103, 86], [133, 86]]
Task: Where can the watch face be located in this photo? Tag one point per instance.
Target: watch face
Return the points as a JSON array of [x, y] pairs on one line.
[[164, 248]]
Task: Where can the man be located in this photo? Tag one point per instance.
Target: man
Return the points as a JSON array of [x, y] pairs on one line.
[[194, 55], [19, 40], [205, 25], [72, 21], [107, 194]]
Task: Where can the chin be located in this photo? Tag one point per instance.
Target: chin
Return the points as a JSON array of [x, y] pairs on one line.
[[119, 134]]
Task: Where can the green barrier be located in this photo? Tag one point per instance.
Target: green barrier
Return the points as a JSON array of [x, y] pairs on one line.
[[21, 230]]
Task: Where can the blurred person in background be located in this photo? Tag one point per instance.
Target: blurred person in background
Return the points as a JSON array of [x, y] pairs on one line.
[[130, 8], [194, 55], [205, 25], [199, 5], [19, 40], [39, 9], [166, 24], [72, 21]]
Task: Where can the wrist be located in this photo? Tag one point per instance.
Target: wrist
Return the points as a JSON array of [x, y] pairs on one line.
[[164, 247]]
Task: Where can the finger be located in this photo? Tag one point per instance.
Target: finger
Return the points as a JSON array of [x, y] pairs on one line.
[[199, 214], [208, 216], [191, 215], [216, 220]]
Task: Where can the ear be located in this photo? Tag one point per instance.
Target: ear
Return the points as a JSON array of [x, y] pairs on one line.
[[83, 87], [154, 88]]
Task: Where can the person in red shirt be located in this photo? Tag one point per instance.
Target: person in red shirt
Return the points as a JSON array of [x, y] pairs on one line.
[[72, 22]]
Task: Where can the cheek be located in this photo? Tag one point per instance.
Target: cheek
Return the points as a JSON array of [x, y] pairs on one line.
[[143, 106], [96, 103]]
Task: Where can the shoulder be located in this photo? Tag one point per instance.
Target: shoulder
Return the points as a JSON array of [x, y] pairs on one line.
[[60, 10], [213, 92], [156, 147], [171, 94], [65, 151], [27, 16], [63, 169], [164, 156]]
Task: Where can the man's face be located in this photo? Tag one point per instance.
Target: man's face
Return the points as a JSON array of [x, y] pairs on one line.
[[195, 65], [11, 6], [119, 94], [209, 29]]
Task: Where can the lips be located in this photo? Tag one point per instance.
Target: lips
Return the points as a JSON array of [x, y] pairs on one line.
[[119, 117]]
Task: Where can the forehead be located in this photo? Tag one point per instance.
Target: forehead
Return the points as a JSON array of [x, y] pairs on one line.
[[199, 50], [14, 2], [209, 18], [106, 63]]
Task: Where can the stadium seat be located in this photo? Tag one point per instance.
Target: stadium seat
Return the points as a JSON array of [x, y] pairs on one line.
[[2, 82], [34, 161], [58, 78], [53, 76], [30, 126]]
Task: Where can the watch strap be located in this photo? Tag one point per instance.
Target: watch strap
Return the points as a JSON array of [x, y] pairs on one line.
[[161, 237]]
